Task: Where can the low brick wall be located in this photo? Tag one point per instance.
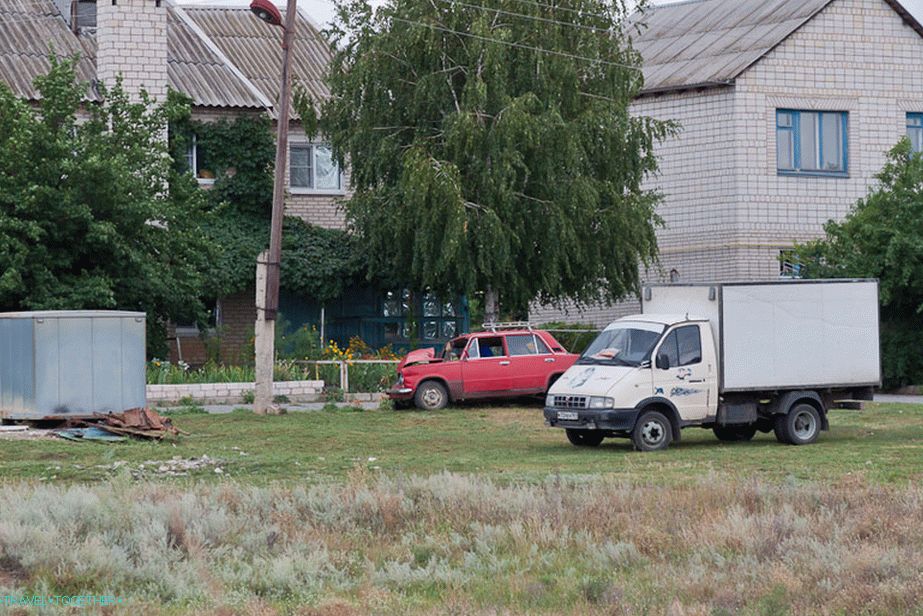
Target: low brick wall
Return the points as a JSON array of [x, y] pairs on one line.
[[232, 393]]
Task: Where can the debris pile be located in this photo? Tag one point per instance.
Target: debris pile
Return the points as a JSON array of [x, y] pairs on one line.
[[111, 427], [174, 467]]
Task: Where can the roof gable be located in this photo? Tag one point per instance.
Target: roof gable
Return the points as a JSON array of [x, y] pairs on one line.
[[701, 43]]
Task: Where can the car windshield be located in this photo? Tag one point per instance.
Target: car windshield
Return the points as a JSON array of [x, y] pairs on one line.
[[623, 344], [452, 351]]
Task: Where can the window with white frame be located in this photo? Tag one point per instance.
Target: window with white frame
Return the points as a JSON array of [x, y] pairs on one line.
[[197, 162], [812, 142], [915, 131], [311, 167]]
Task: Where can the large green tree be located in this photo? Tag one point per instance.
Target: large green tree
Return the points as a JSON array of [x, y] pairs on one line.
[[491, 146], [90, 214], [882, 237]]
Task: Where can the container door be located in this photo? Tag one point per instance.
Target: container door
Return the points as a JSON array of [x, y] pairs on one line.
[[690, 382]]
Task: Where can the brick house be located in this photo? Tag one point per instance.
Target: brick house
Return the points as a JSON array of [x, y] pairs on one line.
[[787, 108], [227, 61]]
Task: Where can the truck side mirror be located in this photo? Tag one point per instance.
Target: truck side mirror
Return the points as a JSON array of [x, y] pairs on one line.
[[663, 361]]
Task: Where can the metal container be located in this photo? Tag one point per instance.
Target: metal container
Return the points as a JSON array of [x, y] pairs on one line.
[[70, 363]]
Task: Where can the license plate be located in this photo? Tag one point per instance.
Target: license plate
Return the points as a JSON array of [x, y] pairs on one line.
[[568, 415]]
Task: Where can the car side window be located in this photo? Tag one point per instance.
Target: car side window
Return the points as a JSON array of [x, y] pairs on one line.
[[540, 346], [683, 346], [490, 347], [473, 350], [521, 344]]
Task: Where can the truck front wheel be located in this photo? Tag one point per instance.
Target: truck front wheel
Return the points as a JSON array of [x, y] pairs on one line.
[[735, 433], [801, 426], [652, 432], [585, 438]]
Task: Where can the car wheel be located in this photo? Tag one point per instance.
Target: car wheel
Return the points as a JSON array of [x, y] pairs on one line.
[[431, 396], [735, 433], [652, 432], [585, 438], [801, 426]]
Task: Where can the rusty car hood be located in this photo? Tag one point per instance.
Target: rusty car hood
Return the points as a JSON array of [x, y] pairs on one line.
[[420, 356]]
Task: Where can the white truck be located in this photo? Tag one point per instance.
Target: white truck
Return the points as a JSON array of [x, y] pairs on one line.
[[735, 357]]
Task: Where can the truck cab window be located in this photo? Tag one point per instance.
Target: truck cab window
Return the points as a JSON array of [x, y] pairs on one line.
[[690, 345], [683, 346]]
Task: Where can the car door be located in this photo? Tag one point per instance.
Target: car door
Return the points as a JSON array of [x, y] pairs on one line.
[[487, 369], [528, 366], [689, 382]]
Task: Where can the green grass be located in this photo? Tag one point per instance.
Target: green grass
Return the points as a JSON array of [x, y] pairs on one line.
[[882, 444], [474, 510]]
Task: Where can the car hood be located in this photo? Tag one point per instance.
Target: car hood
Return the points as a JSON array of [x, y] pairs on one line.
[[420, 356], [591, 380]]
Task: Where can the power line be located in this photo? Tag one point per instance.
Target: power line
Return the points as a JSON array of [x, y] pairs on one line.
[[517, 45], [564, 8], [525, 16]]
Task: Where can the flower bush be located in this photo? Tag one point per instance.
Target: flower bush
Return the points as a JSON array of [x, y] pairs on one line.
[[292, 365]]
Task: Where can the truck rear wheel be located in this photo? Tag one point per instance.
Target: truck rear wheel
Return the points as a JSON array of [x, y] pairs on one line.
[[735, 433], [801, 426], [652, 432], [584, 438]]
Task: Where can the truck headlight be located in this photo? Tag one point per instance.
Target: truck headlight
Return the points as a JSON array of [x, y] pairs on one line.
[[600, 402], [549, 400]]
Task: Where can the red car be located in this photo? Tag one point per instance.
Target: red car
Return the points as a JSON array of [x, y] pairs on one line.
[[491, 364]]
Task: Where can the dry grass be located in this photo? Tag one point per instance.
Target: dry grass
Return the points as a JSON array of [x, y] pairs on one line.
[[466, 545]]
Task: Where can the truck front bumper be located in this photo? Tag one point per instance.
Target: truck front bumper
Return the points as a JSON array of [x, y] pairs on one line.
[[617, 420]]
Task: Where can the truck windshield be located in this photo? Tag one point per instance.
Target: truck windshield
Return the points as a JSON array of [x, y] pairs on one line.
[[623, 344]]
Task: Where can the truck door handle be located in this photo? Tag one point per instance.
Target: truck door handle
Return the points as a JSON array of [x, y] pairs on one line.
[[504, 363], [696, 380], [549, 360]]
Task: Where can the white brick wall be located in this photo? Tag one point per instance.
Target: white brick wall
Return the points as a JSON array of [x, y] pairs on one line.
[[727, 211], [231, 393], [132, 42]]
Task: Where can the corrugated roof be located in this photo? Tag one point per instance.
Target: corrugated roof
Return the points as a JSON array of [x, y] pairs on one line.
[[199, 72], [29, 31], [219, 57], [709, 42], [699, 43], [255, 48]]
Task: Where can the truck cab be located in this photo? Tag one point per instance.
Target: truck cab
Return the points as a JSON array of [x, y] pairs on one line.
[[649, 361]]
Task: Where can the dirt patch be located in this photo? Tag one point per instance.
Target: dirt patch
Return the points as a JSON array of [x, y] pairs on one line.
[[24, 433]]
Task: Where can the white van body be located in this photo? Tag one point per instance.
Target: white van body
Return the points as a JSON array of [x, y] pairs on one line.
[[736, 358]]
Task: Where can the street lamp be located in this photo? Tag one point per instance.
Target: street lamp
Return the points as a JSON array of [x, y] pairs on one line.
[[266, 314]]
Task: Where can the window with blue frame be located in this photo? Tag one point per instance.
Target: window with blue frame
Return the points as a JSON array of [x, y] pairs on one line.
[[915, 130], [812, 142]]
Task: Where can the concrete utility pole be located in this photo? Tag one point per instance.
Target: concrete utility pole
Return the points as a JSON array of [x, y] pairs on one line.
[[267, 269]]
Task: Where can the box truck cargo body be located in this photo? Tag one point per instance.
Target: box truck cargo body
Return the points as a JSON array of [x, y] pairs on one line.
[[734, 357]]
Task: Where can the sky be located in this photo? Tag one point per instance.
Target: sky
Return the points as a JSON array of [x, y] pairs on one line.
[[321, 11]]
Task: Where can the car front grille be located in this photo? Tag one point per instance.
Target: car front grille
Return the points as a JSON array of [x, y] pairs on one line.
[[570, 402]]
